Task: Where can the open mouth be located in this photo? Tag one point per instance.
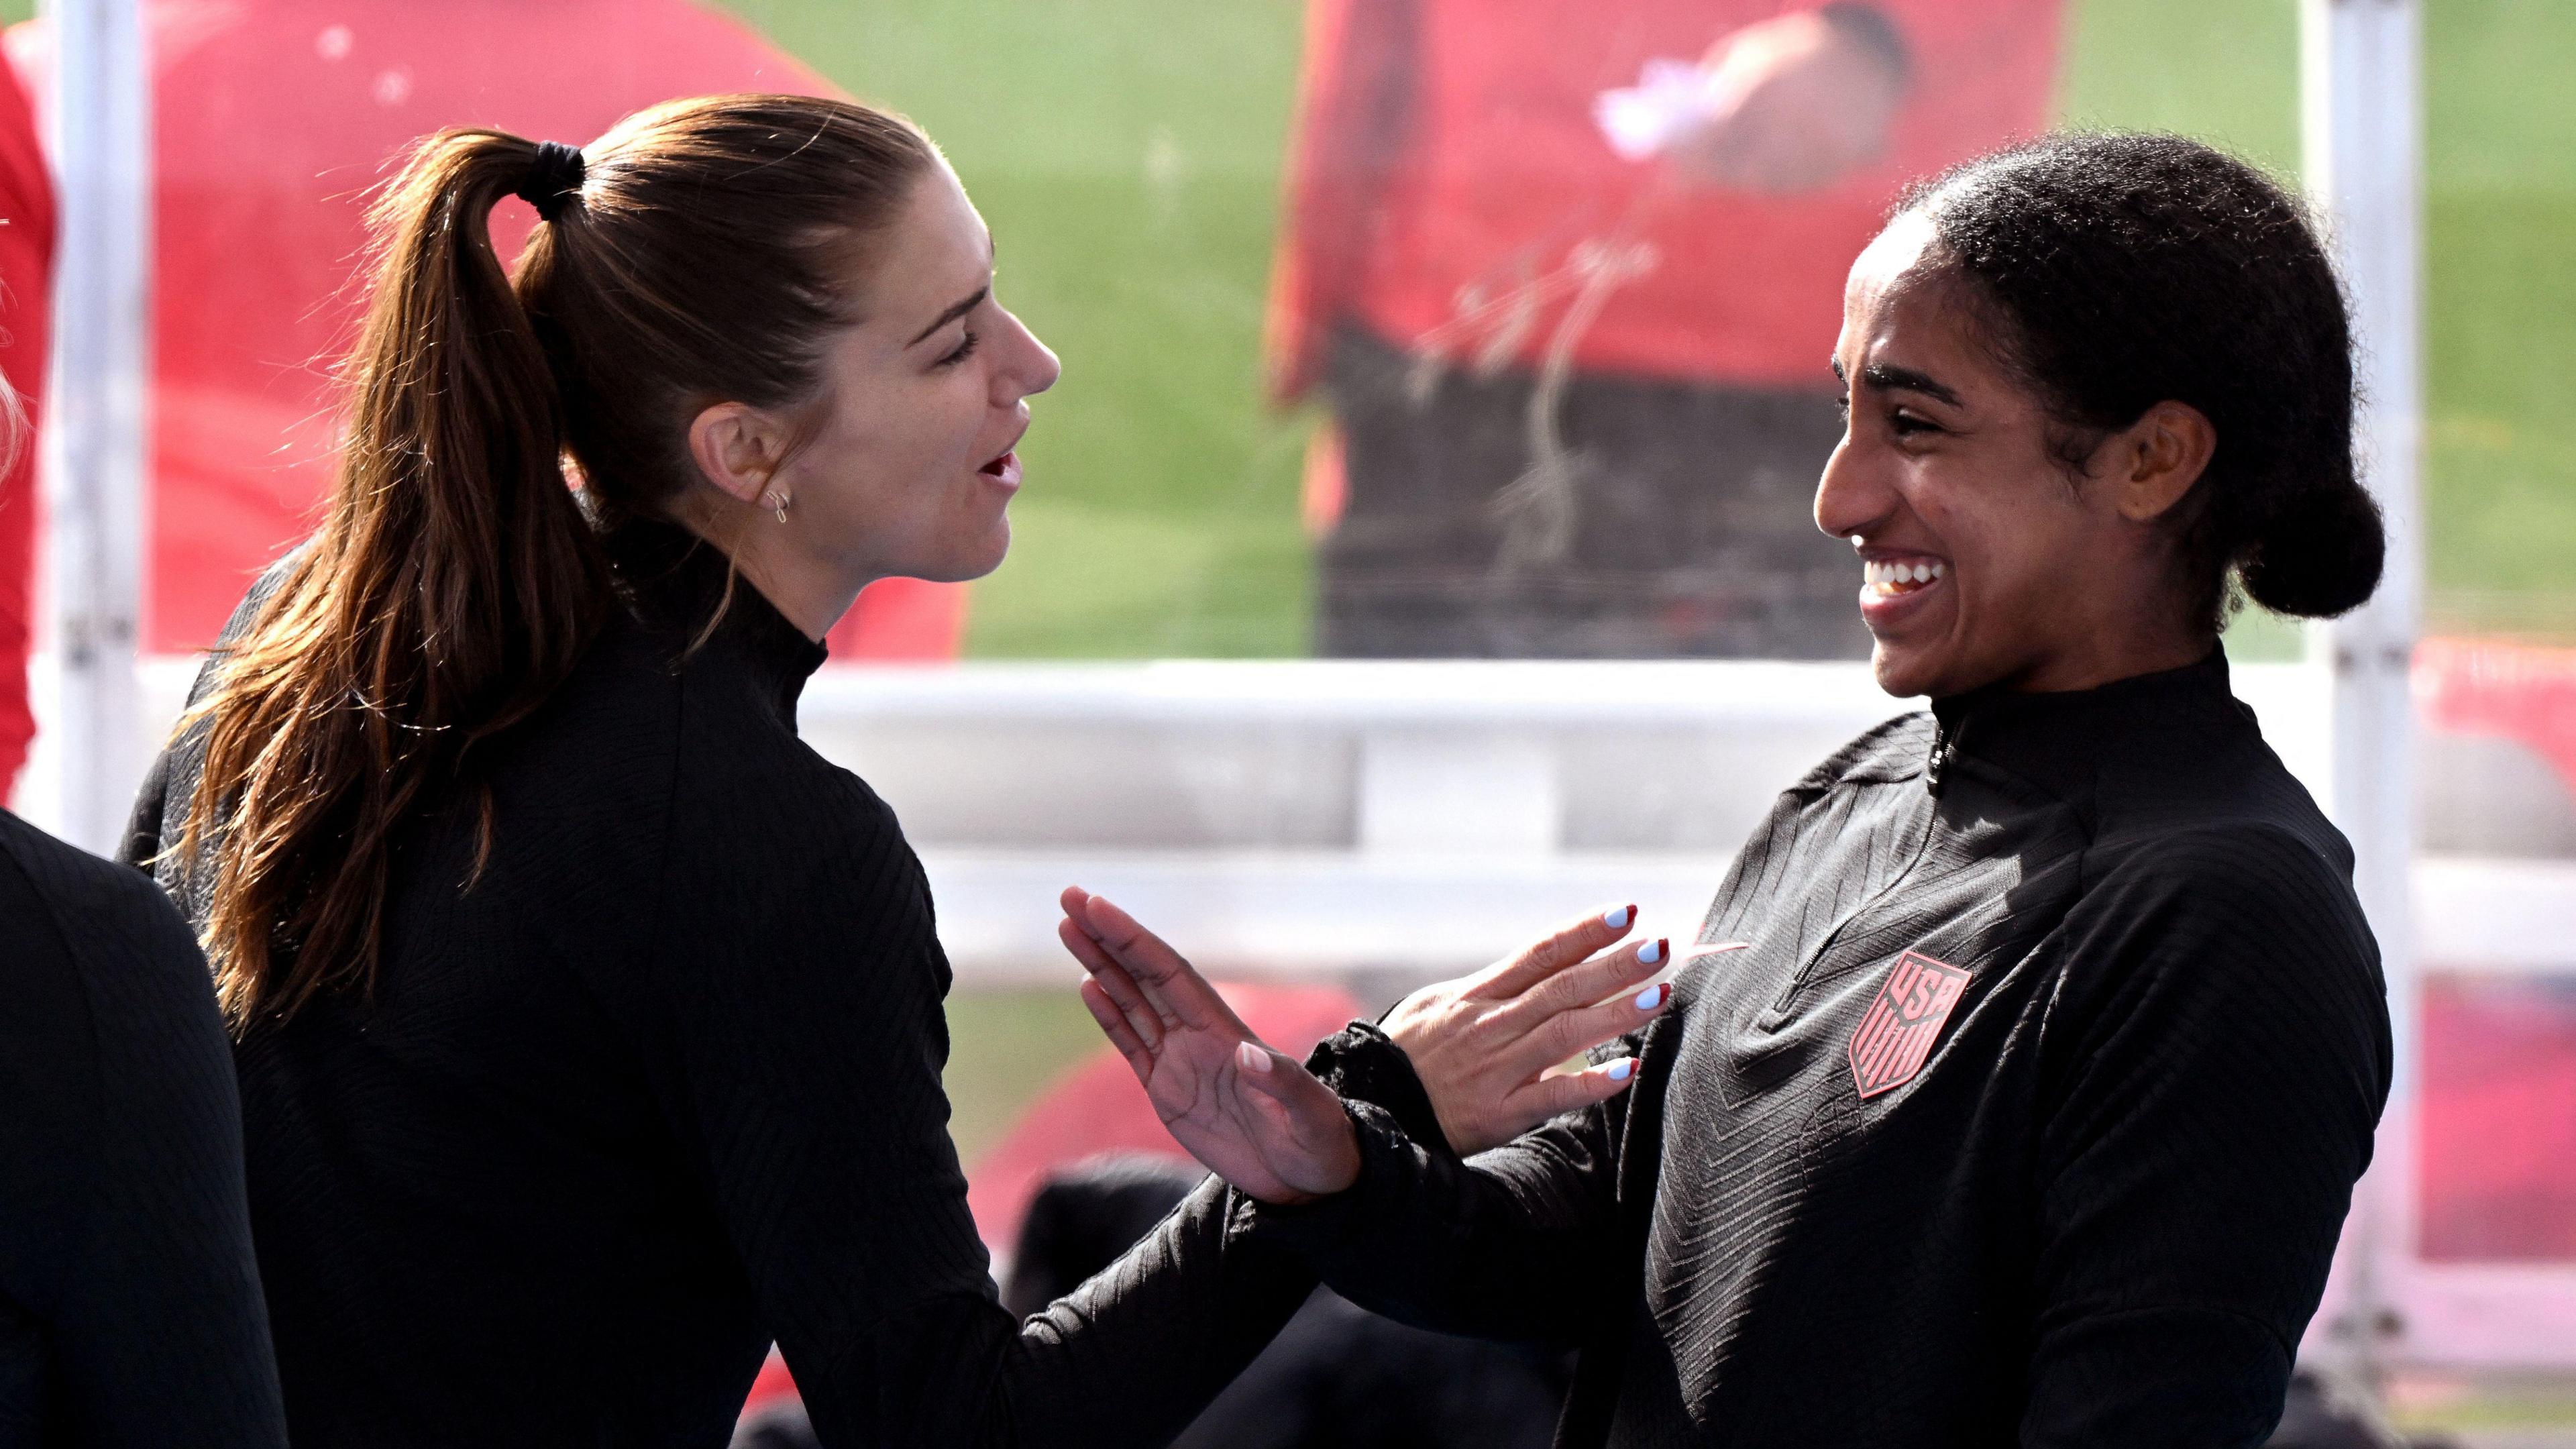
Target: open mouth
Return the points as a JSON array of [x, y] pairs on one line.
[[1004, 469], [1894, 578]]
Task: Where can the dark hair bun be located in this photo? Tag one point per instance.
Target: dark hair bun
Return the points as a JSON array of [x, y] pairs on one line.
[[2321, 556], [2115, 272]]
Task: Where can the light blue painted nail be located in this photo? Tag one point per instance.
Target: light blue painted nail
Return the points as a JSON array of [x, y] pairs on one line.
[[1617, 920], [1651, 997], [1620, 1069], [1650, 953]]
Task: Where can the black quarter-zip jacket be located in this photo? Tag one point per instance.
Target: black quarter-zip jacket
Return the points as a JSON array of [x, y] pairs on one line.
[[2030, 1115], [661, 1085]]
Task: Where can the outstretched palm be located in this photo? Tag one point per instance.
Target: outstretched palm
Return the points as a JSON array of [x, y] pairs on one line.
[[1254, 1117]]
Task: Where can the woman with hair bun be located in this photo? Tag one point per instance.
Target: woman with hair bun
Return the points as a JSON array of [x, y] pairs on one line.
[[2030, 1108], [587, 1024]]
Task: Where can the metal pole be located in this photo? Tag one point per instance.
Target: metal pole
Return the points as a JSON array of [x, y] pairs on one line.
[[2362, 124], [96, 437]]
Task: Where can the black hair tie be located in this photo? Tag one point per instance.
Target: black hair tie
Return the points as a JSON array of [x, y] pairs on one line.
[[556, 173]]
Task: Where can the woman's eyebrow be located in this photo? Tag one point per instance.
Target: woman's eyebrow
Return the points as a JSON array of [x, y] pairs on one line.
[[955, 311], [1906, 379]]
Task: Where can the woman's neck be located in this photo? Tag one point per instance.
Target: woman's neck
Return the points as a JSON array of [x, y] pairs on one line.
[[803, 596], [810, 593], [2109, 661]]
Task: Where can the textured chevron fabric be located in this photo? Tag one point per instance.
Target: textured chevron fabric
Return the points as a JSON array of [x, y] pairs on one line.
[[663, 1086], [2079, 1185]]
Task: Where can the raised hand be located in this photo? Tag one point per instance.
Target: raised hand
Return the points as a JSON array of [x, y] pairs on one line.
[[1487, 1046], [1254, 1117]]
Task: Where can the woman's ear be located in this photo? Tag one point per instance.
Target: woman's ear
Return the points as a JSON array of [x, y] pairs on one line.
[[737, 448], [2158, 458]]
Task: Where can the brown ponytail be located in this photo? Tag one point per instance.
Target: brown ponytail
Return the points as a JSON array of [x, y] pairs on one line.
[[454, 581]]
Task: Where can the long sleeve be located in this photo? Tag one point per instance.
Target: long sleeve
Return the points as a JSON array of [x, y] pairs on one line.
[[1518, 1243], [2217, 1061], [809, 1044], [130, 1232], [687, 1104]]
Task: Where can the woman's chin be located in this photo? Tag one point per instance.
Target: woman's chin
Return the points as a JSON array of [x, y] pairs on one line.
[[1905, 672], [997, 547], [973, 560]]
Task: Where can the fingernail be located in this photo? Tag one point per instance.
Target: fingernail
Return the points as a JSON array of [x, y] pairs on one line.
[[1251, 1058], [1653, 996], [1618, 920], [1650, 953], [1620, 1069]]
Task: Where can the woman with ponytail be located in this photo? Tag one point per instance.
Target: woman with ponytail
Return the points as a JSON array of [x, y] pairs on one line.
[[587, 1024], [2027, 1098]]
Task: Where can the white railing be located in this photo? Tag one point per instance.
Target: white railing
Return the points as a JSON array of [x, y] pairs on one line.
[[1395, 822], [1301, 817]]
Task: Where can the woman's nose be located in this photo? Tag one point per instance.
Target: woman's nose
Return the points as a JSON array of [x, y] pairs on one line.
[[1850, 497], [1033, 366]]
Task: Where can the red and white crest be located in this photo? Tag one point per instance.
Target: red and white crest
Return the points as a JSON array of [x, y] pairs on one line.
[[1903, 1021]]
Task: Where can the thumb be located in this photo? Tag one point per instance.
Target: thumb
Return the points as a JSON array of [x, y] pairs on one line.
[[1283, 1081], [1262, 1070], [1321, 1154]]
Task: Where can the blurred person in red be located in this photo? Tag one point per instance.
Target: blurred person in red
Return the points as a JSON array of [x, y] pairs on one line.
[[1572, 328], [272, 122], [26, 272]]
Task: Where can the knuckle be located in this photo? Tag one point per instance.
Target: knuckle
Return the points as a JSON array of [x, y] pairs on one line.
[[1598, 978], [1562, 991], [1564, 1036]]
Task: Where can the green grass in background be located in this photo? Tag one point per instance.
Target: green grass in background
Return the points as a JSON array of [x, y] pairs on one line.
[[1127, 156], [1005, 1048], [2226, 71], [2500, 245]]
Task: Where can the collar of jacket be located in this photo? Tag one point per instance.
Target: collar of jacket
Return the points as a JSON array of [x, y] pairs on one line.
[[2064, 741], [677, 582]]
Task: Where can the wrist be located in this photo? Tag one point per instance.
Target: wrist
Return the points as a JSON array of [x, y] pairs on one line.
[[1344, 1168], [1337, 1170], [1364, 1063]]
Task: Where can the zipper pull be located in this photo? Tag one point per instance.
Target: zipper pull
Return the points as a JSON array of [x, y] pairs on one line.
[[1945, 748]]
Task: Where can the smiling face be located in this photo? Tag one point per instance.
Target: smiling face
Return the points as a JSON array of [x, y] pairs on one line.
[[1984, 560]]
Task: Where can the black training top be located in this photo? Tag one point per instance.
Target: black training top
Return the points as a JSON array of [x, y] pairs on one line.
[[663, 1085], [129, 1304], [2030, 1115]]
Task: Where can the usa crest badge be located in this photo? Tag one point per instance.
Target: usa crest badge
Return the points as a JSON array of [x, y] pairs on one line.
[[1903, 1021]]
